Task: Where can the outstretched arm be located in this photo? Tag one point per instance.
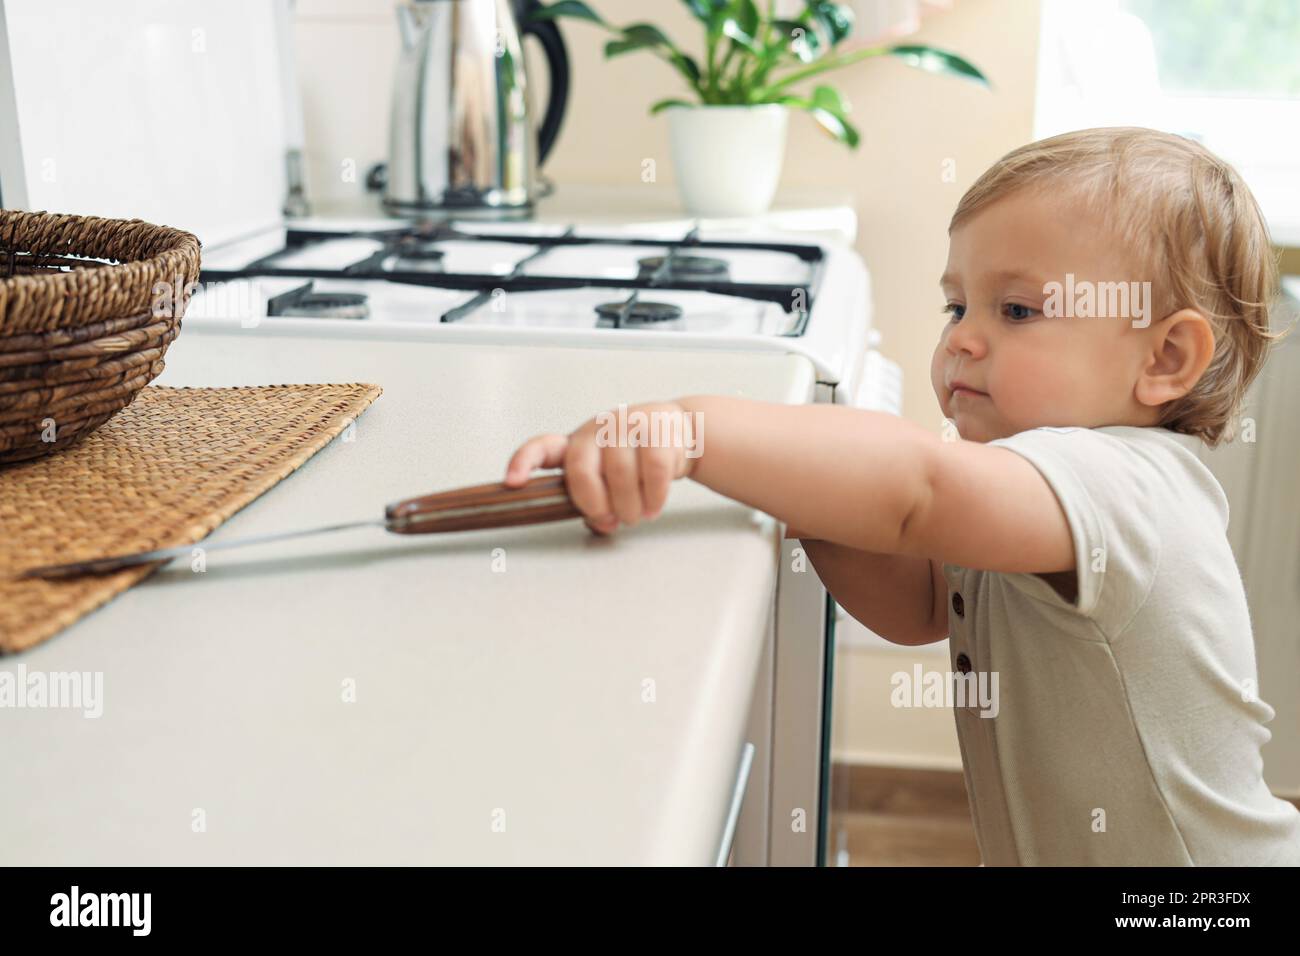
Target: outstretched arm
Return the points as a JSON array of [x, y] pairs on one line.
[[867, 480], [878, 483]]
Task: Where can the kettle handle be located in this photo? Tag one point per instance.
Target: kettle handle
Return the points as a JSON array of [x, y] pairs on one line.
[[557, 62]]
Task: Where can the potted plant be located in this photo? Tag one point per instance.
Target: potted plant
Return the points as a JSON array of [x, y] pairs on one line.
[[728, 139]]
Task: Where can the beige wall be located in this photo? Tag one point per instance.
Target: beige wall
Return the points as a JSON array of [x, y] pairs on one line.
[[914, 127]]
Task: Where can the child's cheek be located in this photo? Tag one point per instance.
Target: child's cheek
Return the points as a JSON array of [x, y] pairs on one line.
[[936, 375], [1049, 391]]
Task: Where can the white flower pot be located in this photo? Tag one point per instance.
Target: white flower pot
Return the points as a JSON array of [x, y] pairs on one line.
[[727, 158]]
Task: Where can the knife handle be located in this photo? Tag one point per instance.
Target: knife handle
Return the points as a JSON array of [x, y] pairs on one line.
[[493, 505]]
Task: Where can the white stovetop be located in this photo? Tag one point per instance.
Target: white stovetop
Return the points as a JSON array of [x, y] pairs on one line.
[[836, 342]]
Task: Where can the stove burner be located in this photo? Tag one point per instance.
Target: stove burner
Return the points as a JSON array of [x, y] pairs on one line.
[[686, 267], [639, 311], [304, 303], [417, 256]]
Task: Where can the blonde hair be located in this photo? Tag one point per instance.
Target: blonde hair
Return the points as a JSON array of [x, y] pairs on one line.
[[1189, 218]]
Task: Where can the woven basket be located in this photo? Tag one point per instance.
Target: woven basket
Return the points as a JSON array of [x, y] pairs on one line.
[[84, 322]]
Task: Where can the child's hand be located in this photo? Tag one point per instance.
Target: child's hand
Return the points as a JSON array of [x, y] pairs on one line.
[[609, 480]]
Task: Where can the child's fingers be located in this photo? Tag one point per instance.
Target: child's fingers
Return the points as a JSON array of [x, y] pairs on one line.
[[583, 479], [656, 478], [544, 451], [623, 480], [602, 528]]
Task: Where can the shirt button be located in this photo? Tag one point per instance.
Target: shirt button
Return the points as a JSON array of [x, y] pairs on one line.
[[963, 663], [958, 605]]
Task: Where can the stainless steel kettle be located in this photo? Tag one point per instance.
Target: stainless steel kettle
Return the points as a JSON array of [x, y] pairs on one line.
[[462, 138]]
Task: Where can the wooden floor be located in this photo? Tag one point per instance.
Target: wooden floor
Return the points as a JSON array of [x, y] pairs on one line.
[[889, 816]]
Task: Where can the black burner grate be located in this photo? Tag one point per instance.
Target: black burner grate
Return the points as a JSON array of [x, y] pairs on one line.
[[689, 266], [302, 302]]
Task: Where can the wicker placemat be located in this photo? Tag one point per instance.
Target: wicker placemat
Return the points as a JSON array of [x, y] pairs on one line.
[[166, 471]]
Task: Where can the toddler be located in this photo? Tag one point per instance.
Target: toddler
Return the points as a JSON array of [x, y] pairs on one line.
[[1107, 294]]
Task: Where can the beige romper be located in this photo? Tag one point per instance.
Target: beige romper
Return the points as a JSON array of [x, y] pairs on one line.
[[1128, 727]]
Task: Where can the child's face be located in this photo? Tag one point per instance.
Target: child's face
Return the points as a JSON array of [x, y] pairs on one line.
[[1033, 369]]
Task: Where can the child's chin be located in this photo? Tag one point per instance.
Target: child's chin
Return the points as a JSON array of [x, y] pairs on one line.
[[975, 431]]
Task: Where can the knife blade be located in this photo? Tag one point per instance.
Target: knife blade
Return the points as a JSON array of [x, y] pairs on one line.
[[492, 505]]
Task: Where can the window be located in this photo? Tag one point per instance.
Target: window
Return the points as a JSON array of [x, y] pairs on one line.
[[1223, 72]]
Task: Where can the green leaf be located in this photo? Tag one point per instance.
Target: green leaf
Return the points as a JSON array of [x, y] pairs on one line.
[[798, 38], [705, 10], [832, 112], [745, 14], [684, 64], [828, 98], [924, 57], [835, 18], [741, 24], [618, 47], [829, 110], [636, 38], [933, 60], [664, 104], [837, 126], [687, 66], [647, 34], [566, 8], [732, 29]]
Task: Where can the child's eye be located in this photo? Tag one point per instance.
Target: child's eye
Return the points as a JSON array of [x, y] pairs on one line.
[[955, 310], [1014, 310]]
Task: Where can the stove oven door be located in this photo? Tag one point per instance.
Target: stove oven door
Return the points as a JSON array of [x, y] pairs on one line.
[[803, 659]]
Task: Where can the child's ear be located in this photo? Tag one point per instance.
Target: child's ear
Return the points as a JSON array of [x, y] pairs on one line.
[[1181, 346]]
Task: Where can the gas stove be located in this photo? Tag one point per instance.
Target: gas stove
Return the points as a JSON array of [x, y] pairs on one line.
[[540, 283]]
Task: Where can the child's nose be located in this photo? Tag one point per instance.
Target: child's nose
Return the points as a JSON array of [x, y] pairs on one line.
[[968, 336]]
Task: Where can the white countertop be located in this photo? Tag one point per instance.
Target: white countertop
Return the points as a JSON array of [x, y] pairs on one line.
[[483, 697]]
